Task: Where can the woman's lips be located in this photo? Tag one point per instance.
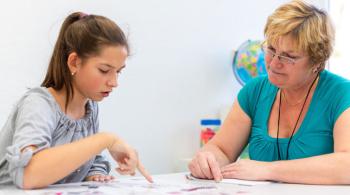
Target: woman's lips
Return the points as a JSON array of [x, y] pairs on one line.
[[274, 72]]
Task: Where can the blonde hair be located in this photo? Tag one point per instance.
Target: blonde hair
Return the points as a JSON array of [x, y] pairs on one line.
[[309, 26]]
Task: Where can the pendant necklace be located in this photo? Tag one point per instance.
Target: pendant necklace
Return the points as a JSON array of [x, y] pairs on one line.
[[296, 123]]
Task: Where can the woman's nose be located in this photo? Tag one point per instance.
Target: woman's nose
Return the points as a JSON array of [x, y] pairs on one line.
[[275, 62]]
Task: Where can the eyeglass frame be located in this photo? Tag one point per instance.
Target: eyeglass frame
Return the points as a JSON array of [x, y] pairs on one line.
[[281, 58]]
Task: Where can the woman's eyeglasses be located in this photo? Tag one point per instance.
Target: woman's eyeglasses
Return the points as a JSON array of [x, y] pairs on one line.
[[282, 59]]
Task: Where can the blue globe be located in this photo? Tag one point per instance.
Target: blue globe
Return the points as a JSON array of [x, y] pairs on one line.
[[249, 61]]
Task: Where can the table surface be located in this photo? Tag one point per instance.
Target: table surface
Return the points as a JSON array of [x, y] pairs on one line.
[[176, 184]]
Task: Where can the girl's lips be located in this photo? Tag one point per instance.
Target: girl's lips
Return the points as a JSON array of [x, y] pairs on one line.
[[105, 94]]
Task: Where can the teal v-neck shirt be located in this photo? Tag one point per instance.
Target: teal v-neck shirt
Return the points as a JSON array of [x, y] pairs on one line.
[[315, 134]]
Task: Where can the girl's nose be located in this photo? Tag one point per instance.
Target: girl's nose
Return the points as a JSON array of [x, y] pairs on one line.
[[112, 82]]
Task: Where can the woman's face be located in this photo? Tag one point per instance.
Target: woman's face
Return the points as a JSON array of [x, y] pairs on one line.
[[96, 77], [287, 67]]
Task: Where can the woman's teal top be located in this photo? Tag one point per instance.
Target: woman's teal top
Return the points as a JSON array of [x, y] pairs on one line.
[[315, 135]]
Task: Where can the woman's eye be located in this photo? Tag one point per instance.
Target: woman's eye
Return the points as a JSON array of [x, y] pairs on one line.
[[271, 48], [290, 56]]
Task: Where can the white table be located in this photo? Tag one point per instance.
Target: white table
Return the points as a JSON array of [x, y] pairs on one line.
[[177, 184]]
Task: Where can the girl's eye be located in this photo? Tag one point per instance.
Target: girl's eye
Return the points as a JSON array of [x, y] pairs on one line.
[[103, 71]]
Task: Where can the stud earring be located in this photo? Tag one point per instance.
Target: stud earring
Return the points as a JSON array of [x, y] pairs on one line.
[[73, 73]]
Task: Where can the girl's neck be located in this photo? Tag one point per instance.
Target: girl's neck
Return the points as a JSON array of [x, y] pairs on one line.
[[76, 106]]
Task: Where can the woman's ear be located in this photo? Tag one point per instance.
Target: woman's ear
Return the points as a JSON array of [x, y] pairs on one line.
[[316, 68], [73, 63]]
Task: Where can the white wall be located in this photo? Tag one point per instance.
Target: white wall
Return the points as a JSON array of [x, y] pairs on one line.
[[179, 72]]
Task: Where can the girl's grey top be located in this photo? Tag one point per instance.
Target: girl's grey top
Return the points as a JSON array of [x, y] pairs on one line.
[[38, 120]]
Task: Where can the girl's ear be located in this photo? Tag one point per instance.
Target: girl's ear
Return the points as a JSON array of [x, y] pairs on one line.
[[73, 62]]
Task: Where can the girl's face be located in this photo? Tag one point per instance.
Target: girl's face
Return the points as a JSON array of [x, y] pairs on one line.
[[287, 67], [96, 76]]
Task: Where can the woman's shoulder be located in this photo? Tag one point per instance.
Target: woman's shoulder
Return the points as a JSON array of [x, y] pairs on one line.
[[260, 84], [258, 80], [330, 81], [327, 75], [334, 91]]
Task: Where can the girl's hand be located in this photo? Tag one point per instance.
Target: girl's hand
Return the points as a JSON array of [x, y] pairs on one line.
[[100, 178], [127, 159], [247, 170]]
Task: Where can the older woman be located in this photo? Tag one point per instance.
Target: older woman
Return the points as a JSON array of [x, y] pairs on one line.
[[296, 120]]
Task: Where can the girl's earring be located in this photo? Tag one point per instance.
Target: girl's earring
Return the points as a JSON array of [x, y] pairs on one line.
[[73, 73]]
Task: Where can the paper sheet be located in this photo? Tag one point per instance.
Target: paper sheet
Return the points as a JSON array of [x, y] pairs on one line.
[[231, 181], [135, 186], [127, 186]]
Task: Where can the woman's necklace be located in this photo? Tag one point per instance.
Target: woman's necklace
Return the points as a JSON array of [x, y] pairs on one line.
[[292, 104], [296, 123]]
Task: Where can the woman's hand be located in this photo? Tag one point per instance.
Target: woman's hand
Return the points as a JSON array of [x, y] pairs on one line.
[[205, 166], [101, 178], [247, 170], [127, 159]]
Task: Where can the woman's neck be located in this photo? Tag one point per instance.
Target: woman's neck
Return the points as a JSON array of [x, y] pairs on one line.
[[296, 94]]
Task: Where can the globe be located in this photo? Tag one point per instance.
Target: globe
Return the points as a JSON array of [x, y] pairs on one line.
[[248, 61]]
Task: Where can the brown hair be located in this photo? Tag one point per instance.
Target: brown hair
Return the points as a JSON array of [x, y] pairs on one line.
[[86, 35], [309, 26]]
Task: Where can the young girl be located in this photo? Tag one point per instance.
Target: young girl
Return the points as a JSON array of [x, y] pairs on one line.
[[52, 134]]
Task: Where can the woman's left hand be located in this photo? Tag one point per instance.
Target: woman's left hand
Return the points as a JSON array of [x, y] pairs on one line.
[[247, 170], [100, 178]]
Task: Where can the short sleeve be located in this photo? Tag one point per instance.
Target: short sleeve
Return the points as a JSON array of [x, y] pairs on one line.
[[249, 95], [341, 99], [33, 126]]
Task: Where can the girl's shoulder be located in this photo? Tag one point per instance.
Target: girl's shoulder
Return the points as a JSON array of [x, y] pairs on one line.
[[38, 93], [38, 98]]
